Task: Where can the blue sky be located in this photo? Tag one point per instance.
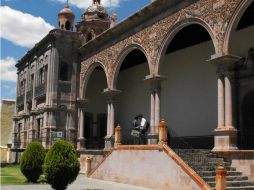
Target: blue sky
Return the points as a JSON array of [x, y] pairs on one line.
[[25, 22]]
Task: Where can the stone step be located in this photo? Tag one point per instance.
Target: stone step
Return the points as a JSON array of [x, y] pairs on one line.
[[206, 162], [239, 188], [234, 183], [193, 158], [229, 178], [212, 164], [212, 173], [208, 168], [207, 151]]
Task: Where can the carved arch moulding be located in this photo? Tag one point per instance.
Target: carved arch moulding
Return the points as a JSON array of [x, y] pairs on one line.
[[87, 69], [240, 9], [214, 15]]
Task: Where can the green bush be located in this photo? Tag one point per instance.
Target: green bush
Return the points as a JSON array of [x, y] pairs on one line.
[[31, 161], [61, 165]]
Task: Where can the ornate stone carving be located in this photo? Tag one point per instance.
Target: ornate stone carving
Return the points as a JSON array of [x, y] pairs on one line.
[[215, 14]]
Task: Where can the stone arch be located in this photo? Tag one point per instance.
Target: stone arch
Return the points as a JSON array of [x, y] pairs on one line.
[[121, 58], [237, 15], [87, 75], [174, 30]]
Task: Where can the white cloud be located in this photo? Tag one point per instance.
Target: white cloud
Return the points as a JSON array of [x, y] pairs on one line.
[[6, 86], [13, 90], [86, 3], [8, 70], [21, 28]]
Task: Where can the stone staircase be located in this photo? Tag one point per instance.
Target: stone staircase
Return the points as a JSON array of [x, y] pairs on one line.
[[95, 155], [204, 162]]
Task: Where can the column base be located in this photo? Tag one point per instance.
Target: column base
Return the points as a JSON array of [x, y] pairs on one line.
[[81, 143], [152, 138], [109, 142], [225, 139]]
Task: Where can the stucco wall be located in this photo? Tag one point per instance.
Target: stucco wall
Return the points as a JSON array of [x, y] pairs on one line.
[[148, 168], [189, 95], [134, 98]]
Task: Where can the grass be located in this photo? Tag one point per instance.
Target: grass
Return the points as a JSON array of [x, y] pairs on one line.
[[11, 175]]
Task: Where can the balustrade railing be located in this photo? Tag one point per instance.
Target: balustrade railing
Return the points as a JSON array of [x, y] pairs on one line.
[[29, 95], [40, 90], [20, 100]]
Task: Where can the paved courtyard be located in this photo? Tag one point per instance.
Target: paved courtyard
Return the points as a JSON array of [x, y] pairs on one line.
[[82, 183]]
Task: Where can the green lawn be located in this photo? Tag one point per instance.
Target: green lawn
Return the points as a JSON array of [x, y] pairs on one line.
[[11, 175]]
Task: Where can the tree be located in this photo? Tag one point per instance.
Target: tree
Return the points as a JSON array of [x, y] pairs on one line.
[[31, 161], [61, 165]]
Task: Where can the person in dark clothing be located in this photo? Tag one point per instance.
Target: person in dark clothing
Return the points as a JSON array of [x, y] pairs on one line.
[[139, 129]]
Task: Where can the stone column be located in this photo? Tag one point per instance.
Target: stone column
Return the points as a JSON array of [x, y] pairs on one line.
[[221, 97], [34, 84], [155, 87], [110, 94], [81, 114], [228, 102], [225, 138], [112, 118], [70, 127], [108, 118], [45, 131], [157, 106], [25, 91], [152, 112]]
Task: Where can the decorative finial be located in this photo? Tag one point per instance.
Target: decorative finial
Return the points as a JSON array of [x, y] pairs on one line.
[[67, 3]]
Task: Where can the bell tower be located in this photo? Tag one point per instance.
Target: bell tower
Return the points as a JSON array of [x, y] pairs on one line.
[[66, 18], [94, 21]]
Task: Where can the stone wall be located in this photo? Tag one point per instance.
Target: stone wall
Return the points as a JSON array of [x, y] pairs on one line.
[[148, 168]]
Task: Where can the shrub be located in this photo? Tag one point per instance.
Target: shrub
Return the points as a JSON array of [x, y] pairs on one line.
[[31, 161], [61, 165]]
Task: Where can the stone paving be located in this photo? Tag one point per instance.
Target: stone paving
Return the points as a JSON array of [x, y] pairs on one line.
[[82, 183]]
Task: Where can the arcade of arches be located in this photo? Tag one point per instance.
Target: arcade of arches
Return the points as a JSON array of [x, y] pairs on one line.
[[204, 93]]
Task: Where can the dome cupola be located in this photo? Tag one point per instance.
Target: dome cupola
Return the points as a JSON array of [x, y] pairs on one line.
[[66, 18]]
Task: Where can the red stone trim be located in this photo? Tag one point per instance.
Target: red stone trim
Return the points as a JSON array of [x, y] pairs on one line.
[[186, 168], [100, 163]]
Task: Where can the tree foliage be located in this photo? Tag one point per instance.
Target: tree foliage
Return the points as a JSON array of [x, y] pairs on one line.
[[61, 165], [31, 161]]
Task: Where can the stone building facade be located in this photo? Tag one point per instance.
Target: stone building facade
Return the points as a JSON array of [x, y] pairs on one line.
[[190, 62]]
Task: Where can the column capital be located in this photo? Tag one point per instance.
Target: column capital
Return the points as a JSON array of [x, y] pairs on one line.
[[81, 102], [155, 82], [219, 59], [152, 78], [225, 63], [230, 75], [111, 93]]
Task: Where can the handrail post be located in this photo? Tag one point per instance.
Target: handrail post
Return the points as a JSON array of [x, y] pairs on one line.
[[118, 135], [163, 132], [88, 165], [220, 180]]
